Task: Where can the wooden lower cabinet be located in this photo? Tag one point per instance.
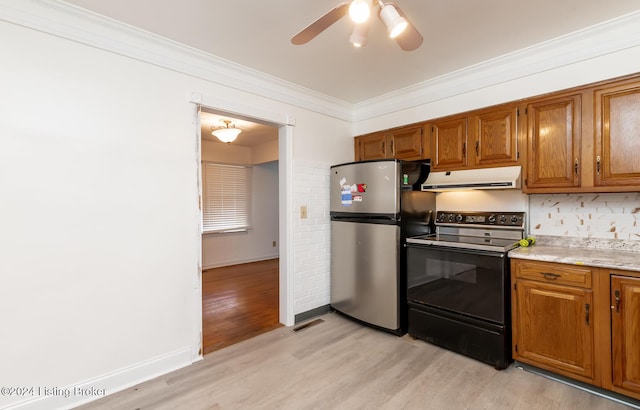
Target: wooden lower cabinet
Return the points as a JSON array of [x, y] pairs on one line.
[[579, 322], [625, 332], [553, 322]]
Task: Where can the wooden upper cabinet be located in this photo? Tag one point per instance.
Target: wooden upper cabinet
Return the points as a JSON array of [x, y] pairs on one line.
[[449, 143], [625, 332], [554, 143], [371, 146], [496, 137], [402, 143], [617, 135], [406, 143]]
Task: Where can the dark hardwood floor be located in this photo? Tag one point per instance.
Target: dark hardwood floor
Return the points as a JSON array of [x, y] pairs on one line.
[[238, 303]]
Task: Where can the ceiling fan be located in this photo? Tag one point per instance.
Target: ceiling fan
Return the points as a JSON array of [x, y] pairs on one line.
[[398, 25]]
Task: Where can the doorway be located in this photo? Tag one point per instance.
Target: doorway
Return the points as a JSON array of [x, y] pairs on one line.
[[238, 303], [241, 269]]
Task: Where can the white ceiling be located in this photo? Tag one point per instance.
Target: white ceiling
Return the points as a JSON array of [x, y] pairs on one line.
[[457, 34]]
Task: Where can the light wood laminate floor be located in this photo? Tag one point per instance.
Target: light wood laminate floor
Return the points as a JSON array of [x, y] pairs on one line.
[[338, 364]]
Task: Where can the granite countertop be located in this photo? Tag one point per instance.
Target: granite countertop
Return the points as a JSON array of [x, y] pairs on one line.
[[610, 254]]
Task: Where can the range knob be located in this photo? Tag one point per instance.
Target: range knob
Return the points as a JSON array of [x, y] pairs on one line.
[[491, 219], [451, 217], [514, 219], [503, 218], [459, 218]]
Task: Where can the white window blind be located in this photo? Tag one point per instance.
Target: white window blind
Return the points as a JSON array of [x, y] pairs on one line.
[[226, 197]]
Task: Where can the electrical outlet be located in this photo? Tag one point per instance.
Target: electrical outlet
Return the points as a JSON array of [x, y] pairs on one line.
[[303, 212]]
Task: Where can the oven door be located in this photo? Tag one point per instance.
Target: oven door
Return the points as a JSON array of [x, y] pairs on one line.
[[471, 283]]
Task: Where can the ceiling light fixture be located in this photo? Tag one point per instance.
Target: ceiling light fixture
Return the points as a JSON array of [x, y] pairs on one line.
[[226, 134], [359, 34], [395, 23], [359, 10], [400, 29]]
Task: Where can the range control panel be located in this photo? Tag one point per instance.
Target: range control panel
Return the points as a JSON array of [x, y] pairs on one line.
[[513, 219]]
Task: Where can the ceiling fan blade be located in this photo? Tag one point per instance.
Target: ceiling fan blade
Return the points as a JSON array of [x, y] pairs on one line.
[[410, 39], [312, 30]]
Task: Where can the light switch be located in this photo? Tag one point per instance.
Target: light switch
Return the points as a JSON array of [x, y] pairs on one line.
[[303, 212]]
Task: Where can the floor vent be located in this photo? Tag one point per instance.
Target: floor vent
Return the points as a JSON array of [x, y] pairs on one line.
[[307, 325]]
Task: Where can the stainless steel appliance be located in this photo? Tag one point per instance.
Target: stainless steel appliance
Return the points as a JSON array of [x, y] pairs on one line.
[[458, 283], [374, 206]]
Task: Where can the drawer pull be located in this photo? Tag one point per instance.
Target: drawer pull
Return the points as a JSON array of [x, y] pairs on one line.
[[550, 276], [586, 314]]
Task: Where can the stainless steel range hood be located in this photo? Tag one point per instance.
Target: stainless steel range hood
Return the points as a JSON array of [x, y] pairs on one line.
[[483, 178]]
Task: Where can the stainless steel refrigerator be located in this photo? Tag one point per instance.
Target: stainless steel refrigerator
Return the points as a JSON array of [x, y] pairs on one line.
[[375, 206]]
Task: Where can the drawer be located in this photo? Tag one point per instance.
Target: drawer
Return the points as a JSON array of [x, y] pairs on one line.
[[561, 274]]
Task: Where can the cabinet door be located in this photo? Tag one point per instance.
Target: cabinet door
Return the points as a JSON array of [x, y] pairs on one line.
[[617, 119], [496, 139], [449, 139], [373, 146], [554, 328], [625, 332], [406, 143], [554, 141]]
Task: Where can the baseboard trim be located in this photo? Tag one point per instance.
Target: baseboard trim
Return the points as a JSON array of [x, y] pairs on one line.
[[627, 401], [240, 262], [107, 384], [319, 311]]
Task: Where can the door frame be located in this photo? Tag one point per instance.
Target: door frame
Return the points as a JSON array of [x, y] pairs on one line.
[[285, 124]]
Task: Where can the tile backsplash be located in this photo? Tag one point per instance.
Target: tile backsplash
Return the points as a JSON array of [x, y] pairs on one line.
[[587, 216]]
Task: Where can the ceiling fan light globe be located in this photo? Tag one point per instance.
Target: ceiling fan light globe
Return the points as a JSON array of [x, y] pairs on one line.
[[359, 11], [398, 29], [359, 35], [226, 134], [395, 23]]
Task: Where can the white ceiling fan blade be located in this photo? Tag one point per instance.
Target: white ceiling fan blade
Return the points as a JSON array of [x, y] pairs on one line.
[[410, 38], [312, 30]]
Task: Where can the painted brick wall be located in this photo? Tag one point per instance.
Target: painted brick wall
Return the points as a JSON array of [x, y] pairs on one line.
[[594, 216], [312, 236]]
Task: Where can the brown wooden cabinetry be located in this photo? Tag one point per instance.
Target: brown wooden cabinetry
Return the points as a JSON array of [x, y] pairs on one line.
[[617, 135], [554, 142], [484, 138], [406, 143], [370, 146], [577, 321], [402, 143], [586, 139], [449, 143], [496, 137], [552, 310], [625, 332]]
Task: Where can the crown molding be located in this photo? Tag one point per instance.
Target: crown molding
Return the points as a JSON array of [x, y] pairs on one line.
[[68, 21], [73, 23], [595, 41]]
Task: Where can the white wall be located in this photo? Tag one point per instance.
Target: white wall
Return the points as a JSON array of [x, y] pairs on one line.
[[100, 239], [257, 243]]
